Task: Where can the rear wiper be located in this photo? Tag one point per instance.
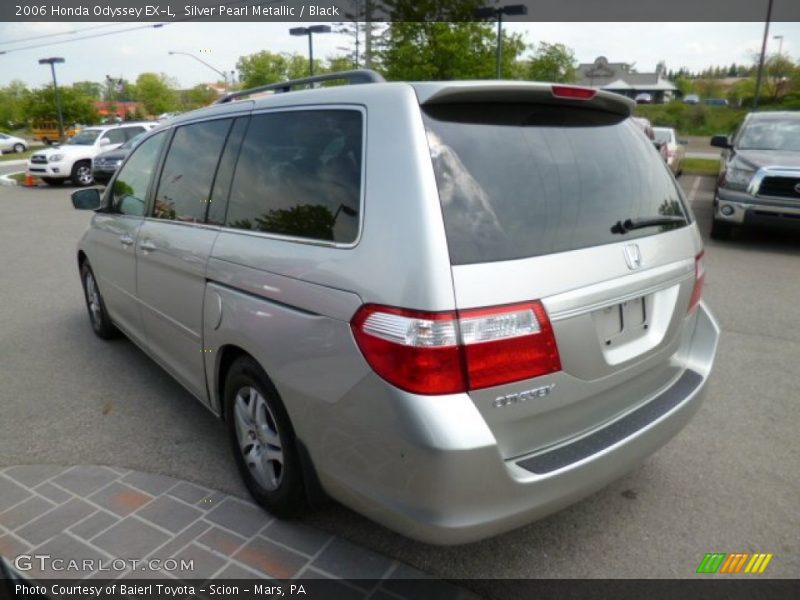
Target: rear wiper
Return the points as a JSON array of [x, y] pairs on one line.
[[631, 224]]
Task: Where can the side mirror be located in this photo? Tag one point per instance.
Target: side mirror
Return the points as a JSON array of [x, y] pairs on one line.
[[720, 141], [88, 199], [104, 142]]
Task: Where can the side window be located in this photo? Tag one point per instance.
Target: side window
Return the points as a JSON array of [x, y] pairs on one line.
[[299, 174], [185, 185], [227, 164], [131, 132], [130, 187], [115, 136]]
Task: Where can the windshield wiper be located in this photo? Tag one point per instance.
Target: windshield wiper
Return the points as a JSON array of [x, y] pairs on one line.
[[623, 227]]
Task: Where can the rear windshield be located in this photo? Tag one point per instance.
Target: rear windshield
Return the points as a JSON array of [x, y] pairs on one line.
[[517, 181], [663, 136]]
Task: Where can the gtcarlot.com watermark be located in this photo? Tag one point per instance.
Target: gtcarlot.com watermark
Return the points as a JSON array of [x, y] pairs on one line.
[[45, 562]]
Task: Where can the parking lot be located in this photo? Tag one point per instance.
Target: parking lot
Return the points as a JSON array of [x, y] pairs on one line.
[[729, 482]]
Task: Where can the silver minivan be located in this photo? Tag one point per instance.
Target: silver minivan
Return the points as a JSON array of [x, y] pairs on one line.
[[454, 307]]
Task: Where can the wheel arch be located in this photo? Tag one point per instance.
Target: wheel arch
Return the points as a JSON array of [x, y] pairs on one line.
[[226, 355]]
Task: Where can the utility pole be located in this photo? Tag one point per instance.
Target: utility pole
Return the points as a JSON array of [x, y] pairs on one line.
[[760, 73], [367, 34]]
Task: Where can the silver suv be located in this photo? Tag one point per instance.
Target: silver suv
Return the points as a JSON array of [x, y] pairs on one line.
[[454, 307]]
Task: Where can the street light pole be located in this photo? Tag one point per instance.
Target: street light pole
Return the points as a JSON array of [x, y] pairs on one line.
[[780, 43], [52, 62], [310, 31], [487, 12], [200, 60]]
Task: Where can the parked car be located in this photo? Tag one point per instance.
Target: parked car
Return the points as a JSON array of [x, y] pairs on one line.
[[106, 164], [644, 98], [10, 143], [675, 148], [646, 127], [759, 179], [73, 159], [715, 102], [455, 307], [691, 99]]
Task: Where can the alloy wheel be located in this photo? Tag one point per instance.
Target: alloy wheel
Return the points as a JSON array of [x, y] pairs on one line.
[[259, 438]]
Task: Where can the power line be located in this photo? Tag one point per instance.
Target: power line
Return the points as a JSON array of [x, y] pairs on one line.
[[49, 35], [138, 27], [85, 37]]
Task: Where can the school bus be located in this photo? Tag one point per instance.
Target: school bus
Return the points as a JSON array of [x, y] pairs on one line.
[[47, 131]]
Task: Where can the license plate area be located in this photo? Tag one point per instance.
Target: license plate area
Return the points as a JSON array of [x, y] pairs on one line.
[[618, 324]]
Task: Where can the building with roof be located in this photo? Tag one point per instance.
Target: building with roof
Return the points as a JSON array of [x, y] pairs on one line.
[[623, 79], [118, 109]]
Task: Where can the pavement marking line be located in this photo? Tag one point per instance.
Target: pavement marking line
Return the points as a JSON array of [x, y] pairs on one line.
[[693, 191]]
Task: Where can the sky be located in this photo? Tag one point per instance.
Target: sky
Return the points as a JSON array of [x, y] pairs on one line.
[[693, 45]]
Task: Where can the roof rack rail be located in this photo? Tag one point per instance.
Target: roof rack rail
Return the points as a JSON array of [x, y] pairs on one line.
[[352, 77]]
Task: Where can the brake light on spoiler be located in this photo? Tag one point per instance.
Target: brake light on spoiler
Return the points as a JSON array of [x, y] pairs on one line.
[[456, 351], [576, 93]]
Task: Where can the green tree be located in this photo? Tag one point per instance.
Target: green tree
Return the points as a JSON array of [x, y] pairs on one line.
[[76, 107], [709, 88], [446, 50], [742, 92], [198, 96], [336, 64], [266, 67], [13, 104], [551, 62], [92, 89], [684, 84], [157, 92], [778, 74]]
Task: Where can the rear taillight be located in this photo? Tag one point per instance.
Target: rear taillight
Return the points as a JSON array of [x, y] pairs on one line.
[[699, 279], [456, 351], [576, 93]]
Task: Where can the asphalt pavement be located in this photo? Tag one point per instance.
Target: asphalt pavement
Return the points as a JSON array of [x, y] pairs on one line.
[[729, 482]]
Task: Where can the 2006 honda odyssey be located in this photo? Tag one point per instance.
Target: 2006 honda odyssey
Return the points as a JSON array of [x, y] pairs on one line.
[[454, 307]]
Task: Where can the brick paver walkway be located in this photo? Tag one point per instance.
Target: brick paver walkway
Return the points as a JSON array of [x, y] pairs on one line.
[[103, 514]]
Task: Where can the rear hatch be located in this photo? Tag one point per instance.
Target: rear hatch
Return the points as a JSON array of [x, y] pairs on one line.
[[558, 202]]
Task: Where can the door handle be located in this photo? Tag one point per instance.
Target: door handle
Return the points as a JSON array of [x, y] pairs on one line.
[[126, 240], [147, 246]]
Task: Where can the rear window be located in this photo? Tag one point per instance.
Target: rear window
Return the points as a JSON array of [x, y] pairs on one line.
[[517, 181]]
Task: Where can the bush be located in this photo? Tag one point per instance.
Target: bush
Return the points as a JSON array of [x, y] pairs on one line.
[[692, 119]]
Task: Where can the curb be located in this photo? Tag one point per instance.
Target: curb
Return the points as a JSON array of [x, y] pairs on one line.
[[6, 179]]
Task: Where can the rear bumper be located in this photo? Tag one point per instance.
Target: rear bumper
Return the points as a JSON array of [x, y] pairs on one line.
[[740, 208], [456, 488]]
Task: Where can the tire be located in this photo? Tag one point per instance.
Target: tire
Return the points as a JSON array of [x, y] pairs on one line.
[[81, 174], [46, 142], [51, 181], [262, 439], [721, 230], [98, 315], [19, 148]]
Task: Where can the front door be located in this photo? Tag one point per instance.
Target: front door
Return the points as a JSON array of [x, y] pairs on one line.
[[111, 249], [173, 247]]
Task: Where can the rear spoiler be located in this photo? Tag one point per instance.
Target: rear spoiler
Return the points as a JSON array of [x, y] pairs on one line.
[[513, 91]]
